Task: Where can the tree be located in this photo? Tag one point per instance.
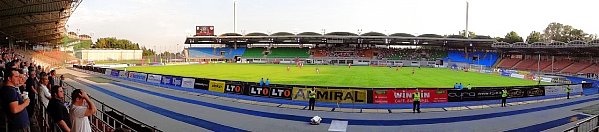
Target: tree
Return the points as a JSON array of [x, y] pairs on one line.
[[560, 32], [116, 44], [534, 36], [512, 37], [147, 52], [470, 34]]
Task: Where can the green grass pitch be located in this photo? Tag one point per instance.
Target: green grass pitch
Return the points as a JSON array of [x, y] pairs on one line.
[[356, 76]]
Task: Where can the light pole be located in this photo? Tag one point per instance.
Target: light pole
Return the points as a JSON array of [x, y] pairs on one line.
[[235, 16], [466, 32]]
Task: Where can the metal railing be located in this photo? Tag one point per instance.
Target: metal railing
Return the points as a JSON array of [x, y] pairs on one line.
[[587, 125], [105, 120]]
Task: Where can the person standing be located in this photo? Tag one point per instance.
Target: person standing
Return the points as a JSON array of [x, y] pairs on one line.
[[261, 82], [81, 109], [461, 86], [469, 87], [51, 78], [14, 103], [568, 91], [58, 111], [312, 97], [504, 97], [33, 108], [267, 83], [416, 101], [44, 92], [317, 70]]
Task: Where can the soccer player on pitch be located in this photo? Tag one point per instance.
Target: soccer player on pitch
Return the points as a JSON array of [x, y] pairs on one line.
[[288, 67], [317, 70]]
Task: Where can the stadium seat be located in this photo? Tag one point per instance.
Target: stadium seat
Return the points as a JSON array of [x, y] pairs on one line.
[[253, 53], [484, 58], [289, 53], [216, 52], [576, 67]]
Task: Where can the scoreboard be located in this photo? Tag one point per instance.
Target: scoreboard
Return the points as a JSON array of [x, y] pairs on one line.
[[204, 30]]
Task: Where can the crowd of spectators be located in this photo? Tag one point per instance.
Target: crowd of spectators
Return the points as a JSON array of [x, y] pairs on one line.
[[380, 53], [26, 103]]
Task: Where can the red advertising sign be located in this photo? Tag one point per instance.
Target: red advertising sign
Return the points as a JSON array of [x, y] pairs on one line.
[[204, 30], [405, 96]]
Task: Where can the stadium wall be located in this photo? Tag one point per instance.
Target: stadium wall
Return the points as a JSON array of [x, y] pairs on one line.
[[336, 94], [98, 55]]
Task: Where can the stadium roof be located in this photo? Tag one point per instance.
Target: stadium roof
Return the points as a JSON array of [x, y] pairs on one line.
[[373, 34], [35, 21], [341, 38], [256, 34], [341, 34], [282, 34], [402, 35], [309, 34]]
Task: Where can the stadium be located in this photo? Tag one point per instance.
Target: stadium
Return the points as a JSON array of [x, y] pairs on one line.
[[306, 81]]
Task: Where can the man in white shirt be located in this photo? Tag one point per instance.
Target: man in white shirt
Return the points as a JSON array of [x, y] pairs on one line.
[[44, 92], [81, 109]]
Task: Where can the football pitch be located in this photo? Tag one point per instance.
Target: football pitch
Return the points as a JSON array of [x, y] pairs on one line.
[[356, 76]]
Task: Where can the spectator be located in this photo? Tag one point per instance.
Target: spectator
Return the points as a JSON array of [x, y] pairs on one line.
[[51, 77], [81, 109], [61, 80], [57, 109], [45, 95], [14, 102], [33, 108]]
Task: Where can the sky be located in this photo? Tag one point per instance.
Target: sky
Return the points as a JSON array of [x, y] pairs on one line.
[[164, 24]]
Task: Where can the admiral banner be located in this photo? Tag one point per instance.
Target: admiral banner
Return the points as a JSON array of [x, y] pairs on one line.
[[273, 92], [154, 78], [138, 76], [177, 81], [216, 86], [332, 95], [166, 80], [201, 84], [234, 88], [561, 89], [108, 71], [405, 96], [122, 74]]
